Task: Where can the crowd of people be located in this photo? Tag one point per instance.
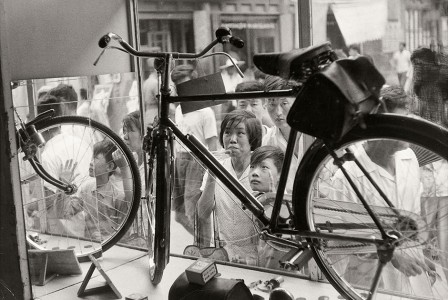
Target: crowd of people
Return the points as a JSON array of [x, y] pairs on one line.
[[250, 147]]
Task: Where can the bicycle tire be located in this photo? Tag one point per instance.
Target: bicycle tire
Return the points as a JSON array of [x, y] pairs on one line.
[[159, 209], [317, 207], [112, 227]]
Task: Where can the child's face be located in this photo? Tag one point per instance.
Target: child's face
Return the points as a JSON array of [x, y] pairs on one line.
[[278, 109], [99, 166], [132, 138], [264, 176], [253, 105]]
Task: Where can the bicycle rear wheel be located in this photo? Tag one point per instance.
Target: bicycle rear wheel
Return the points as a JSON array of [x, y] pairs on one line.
[[99, 214], [159, 209], [325, 202]]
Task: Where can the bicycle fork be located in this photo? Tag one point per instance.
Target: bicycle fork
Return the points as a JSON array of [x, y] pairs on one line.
[[29, 140], [159, 143]]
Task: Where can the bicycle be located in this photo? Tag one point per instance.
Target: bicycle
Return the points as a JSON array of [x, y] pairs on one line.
[[55, 216], [362, 230]]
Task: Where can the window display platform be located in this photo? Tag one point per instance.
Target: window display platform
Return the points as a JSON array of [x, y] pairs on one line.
[[128, 271]]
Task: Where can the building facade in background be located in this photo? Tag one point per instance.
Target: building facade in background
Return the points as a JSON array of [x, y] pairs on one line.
[[376, 26], [188, 26]]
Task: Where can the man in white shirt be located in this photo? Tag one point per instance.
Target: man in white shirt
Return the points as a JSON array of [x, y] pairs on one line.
[[188, 176], [401, 62], [395, 169], [230, 75], [66, 157], [278, 135]]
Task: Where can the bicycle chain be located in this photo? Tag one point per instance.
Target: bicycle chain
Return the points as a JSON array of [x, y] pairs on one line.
[[350, 211]]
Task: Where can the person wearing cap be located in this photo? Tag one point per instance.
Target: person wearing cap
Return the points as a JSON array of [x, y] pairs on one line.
[[182, 73], [231, 79], [230, 75]]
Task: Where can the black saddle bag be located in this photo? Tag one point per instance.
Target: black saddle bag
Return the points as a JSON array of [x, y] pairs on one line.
[[332, 101], [215, 289]]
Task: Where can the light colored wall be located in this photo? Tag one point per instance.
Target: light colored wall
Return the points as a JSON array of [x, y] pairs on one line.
[[59, 38], [41, 39]]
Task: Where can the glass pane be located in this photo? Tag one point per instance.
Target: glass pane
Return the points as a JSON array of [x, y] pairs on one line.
[[76, 153]]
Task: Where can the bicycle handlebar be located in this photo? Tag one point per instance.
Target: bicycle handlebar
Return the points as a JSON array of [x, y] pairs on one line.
[[223, 35]]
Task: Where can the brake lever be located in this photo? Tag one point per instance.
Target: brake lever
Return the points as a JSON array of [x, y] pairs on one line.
[[99, 56], [103, 43], [109, 47]]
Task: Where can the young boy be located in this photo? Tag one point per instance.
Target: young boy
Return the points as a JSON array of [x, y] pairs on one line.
[[278, 109], [265, 169], [257, 106], [102, 199]]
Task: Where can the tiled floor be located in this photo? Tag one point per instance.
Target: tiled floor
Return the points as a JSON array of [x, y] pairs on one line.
[[128, 270]]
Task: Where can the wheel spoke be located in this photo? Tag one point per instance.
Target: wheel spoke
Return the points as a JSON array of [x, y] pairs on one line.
[[418, 265]]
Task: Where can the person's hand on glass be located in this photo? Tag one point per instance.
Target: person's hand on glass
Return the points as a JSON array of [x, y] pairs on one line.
[[68, 173], [410, 266], [119, 159]]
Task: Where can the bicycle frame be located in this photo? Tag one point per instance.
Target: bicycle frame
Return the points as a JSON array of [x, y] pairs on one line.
[[165, 124], [166, 129]]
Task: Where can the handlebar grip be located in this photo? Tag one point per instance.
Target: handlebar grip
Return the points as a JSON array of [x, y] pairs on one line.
[[104, 41], [237, 42], [222, 32]]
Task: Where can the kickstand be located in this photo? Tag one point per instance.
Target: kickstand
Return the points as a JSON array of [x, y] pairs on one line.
[[108, 286]]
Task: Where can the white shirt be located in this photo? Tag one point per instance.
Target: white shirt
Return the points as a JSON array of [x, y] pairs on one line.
[[403, 189], [230, 81], [105, 207], [200, 123], [402, 61], [236, 226], [435, 179], [61, 148]]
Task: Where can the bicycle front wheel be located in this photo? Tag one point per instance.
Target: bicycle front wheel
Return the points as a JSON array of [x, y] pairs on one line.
[[407, 159], [159, 208], [94, 218]]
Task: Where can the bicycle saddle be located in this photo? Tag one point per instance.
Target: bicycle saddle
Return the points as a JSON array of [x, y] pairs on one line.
[[296, 63]]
